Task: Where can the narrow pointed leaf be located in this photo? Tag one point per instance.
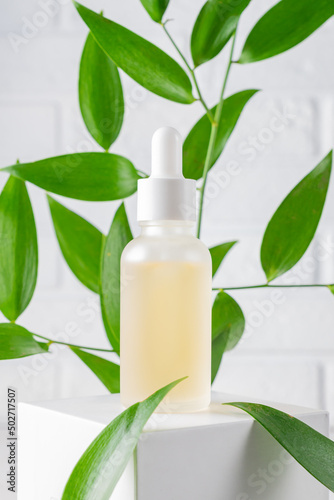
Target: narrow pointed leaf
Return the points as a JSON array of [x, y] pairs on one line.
[[105, 370], [155, 8], [311, 449], [141, 60], [19, 250], [228, 324], [293, 225], [285, 25], [80, 243], [214, 26], [83, 176], [102, 464], [196, 144], [118, 237], [100, 94], [218, 254], [331, 287], [17, 342]]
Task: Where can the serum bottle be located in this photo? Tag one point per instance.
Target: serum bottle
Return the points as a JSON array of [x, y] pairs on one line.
[[166, 289]]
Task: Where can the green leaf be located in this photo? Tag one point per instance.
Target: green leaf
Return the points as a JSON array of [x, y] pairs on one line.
[[155, 8], [17, 342], [311, 449], [331, 287], [288, 23], [214, 26], [105, 370], [196, 144], [92, 477], [80, 243], [19, 250], [293, 225], [118, 237], [100, 94], [228, 324], [141, 60], [83, 176], [218, 254]]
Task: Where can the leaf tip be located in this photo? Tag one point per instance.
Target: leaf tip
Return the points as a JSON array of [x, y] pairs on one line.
[[330, 156]]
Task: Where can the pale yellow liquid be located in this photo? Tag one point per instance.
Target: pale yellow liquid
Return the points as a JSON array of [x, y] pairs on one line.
[[166, 332]]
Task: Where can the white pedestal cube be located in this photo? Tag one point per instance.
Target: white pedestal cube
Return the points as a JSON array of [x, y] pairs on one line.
[[216, 454]]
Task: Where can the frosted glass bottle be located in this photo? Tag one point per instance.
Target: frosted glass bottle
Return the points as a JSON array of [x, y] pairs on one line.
[[166, 316], [166, 290]]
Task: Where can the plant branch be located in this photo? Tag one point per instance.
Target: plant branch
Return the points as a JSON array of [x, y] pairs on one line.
[[268, 285], [213, 135], [212, 140], [51, 341], [191, 71]]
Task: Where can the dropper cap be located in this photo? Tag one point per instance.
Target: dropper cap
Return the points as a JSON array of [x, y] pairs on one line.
[[166, 195]]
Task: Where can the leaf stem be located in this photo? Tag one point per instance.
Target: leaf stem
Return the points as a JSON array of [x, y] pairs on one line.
[[268, 285], [213, 135], [51, 341], [191, 71], [143, 174]]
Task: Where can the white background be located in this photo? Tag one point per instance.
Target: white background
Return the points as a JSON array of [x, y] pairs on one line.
[[288, 351]]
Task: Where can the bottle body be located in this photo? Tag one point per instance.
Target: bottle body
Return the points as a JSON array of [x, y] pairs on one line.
[[166, 317]]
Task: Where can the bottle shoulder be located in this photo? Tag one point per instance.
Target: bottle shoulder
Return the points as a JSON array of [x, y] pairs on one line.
[[178, 248]]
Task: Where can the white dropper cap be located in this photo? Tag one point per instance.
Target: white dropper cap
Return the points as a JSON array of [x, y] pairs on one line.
[[166, 194]]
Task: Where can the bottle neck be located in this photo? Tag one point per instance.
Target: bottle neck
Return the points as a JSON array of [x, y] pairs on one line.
[[167, 228]]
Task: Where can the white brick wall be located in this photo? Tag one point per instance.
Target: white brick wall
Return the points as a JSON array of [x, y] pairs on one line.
[[288, 353]]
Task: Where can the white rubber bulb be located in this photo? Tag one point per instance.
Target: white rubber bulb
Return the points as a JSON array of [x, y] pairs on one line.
[[167, 154], [166, 195]]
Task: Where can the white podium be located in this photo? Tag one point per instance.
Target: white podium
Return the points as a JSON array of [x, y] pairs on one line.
[[216, 454]]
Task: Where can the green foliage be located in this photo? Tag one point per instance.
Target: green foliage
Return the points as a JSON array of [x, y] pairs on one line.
[[141, 60], [80, 243], [95, 260], [155, 8], [83, 176], [197, 142], [100, 94], [228, 324], [311, 449], [19, 250], [17, 342], [92, 477], [214, 26], [287, 24], [118, 237], [105, 370], [293, 225], [218, 254]]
